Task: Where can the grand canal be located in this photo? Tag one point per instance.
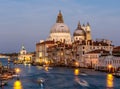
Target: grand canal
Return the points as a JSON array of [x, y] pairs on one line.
[[61, 78]]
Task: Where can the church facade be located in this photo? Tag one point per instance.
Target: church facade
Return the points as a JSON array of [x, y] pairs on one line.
[[24, 57], [60, 46]]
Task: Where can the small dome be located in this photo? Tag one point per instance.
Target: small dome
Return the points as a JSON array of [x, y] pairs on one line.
[[79, 31], [59, 28]]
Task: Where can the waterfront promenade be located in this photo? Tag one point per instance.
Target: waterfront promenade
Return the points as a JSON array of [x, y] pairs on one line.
[[61, 78]]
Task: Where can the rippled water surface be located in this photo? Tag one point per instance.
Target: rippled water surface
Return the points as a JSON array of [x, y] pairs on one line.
[[61, 78]]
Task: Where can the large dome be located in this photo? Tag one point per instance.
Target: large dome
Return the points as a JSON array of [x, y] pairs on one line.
[[60, 28], [60, 31]]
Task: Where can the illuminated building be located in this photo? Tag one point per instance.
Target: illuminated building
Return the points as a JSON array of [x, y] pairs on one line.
[[23, 56], [60, 46], [41, 50], [60, 31]]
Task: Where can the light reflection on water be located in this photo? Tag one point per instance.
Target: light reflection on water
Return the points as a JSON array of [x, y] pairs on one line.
[[76, 71], [78, 80], [39, 67], [17, 85], [109, 81], [46, 69], [61, 78]]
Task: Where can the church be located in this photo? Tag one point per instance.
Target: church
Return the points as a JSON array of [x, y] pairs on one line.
[[62, 47], [61, 32]]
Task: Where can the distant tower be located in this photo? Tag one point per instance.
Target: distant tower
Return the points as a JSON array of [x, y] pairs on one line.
[[23, 51], [88, 32]]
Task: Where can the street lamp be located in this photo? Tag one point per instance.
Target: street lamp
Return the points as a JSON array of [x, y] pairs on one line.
[[77, 64], [17, 70], [8, 62], [109, 68]]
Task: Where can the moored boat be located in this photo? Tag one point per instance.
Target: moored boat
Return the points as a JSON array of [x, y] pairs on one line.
[[117, 74], [3, 83]]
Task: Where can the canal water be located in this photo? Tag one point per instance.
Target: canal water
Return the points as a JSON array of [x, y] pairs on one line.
[[60, 78]]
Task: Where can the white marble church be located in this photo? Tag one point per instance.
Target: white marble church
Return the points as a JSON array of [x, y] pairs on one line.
[[72, 46], [60, 31]]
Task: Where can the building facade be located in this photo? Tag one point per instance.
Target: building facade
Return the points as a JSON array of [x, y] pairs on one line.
[[24, 57], [109, 63], [41, 51], [60, 46]]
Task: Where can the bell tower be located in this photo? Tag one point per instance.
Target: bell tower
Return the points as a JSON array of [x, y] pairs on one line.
[[88, 32]]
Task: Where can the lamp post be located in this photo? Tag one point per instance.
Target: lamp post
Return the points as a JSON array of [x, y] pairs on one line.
[[76, 64], [17, 70], [109, 68], [8, 63]]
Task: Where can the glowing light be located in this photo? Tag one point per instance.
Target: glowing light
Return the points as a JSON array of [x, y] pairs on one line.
[[17, 70], [46, 62], [110, 81], [76, 64], [17, 85], [109, 66], [46, 68], [76, 72], [8, 59]]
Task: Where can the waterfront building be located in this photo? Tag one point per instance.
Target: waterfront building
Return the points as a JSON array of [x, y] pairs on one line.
[[56, 48], [41, 50], [60, 53], [91, 59], [82, 47], [23, 56], [109, 62], [59, 32]]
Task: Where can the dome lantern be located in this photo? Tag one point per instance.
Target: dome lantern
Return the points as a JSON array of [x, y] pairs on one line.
[[60, 18]]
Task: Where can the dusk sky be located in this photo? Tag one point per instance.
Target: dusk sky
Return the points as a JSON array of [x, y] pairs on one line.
[[29, 21]]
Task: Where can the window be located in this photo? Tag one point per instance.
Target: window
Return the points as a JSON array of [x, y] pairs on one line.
[[83, 47], [83, 52]]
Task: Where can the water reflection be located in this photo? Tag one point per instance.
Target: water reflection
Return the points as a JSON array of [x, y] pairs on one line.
[[17, 85], [46, 69], [109, 81], [78, 80], [39, 67], [76, 72], [29, 68]]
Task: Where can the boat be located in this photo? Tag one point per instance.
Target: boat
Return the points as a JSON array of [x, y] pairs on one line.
[[5, 76], [82, 82], [3, 83], [40, 80], [84, 74], [117, 74]]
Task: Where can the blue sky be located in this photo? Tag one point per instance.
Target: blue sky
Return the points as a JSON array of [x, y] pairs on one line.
[[28, 21]]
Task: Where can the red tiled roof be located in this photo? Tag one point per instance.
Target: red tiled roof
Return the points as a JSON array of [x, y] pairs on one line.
[[46, 42], [98, 51]]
